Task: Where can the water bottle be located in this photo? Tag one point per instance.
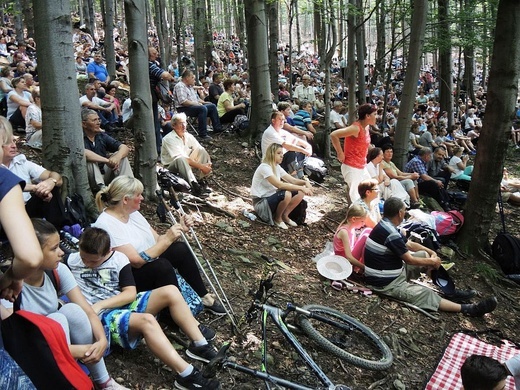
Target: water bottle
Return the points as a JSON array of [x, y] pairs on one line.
[[249, 215], [69, 237], [381, 206]]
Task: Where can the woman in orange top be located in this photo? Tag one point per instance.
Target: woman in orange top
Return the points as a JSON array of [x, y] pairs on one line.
[[353, 156]]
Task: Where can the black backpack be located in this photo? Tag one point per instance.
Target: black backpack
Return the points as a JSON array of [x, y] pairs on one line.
[[506, 247]]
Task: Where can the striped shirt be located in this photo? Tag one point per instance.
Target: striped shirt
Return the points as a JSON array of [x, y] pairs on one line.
[[383, 251]]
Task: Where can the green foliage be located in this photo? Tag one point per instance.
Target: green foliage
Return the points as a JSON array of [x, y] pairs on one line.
[[487, 271]]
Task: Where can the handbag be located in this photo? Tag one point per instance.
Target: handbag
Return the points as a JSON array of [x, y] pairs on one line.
[[163, 92]]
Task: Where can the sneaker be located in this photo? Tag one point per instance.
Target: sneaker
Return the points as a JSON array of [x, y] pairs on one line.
[[483, 307], [205, 137], [196, 381], [281, 225], [208, 333], [461, 295], [203, 353], [111, 384], [216, 309]]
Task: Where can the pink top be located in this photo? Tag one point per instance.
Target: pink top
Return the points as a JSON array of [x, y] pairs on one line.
[[339, 249], [355, 148]]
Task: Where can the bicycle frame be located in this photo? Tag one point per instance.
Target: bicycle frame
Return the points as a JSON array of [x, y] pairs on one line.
[[278, 316]]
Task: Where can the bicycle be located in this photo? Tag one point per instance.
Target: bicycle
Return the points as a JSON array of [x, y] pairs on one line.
[[328, 327]]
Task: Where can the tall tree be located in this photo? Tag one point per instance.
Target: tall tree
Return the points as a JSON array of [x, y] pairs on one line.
[[445, 61], [351, 59], [199, 33], [261, 103], [63, 149], [496, 128], [144, 134], [28, 17], [272, 12], [108, 44], [419, 16], [360, 51]]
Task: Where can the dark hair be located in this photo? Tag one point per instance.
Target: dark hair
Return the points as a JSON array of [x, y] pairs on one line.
[[228, 83], [481, 373], [373, 153], [276, 113], [392, 207], [386, 147], [424, 152], [95, 241], [5, 71], [43, 229], [366, 185], [365, 110], [282, 106]]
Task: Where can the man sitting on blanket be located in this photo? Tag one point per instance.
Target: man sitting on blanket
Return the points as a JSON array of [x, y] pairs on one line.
[[390, 259]]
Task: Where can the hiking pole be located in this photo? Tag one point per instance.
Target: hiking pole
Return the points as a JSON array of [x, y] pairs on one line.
[[221, 297]]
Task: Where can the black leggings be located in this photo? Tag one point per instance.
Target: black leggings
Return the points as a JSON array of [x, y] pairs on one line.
[[161, 272]]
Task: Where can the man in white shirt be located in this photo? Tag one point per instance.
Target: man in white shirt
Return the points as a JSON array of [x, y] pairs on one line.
[[105, 110], [337, 121], [181, 153], [305, 91]]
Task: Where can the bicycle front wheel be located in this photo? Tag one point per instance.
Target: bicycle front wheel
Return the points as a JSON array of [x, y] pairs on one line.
[[345, 337]]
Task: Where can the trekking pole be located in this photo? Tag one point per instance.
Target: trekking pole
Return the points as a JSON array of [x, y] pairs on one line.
[[222, 296]]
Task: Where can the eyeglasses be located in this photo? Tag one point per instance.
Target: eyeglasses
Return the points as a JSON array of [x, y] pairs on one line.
[[374, 189]]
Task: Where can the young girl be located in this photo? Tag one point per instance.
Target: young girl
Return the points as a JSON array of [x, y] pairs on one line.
[[85, 334], [105, 278], [347, 242], [282, 191]]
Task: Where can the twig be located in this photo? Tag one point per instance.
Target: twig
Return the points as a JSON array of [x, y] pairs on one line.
[[210, 206], [229, 191], [378, 383]]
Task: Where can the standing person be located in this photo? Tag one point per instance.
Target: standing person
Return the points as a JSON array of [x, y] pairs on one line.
[[156, 74], [281, 191], [354, 153], [227, 111], [84, 332]]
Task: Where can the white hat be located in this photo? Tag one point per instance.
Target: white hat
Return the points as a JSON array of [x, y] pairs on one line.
[[334, 267]]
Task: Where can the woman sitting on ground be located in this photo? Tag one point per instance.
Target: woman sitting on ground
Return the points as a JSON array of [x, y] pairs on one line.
[[458, 163], [369, 192], [281, 191], [388, 187], [349, 239], [33, 122], [17, 102], [457, 134], [153, 256], [407, 180], [82, 327], [225, 108]]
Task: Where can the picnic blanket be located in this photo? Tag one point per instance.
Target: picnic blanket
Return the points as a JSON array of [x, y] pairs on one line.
[[447, 373]]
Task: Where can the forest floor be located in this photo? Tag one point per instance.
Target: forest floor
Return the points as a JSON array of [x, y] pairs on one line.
[[233, 246]]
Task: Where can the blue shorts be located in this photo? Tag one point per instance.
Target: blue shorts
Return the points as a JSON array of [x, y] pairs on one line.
[[276, 198], [117, 321]]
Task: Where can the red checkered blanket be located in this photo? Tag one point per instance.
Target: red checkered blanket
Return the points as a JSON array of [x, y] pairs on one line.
[[447, 373]]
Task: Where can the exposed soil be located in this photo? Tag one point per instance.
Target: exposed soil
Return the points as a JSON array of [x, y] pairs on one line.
[[234, 245]]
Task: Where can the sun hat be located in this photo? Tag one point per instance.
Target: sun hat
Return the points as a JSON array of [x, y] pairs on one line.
[[334, 267]]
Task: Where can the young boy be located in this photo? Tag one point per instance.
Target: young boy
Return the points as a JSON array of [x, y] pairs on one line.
[[105, 278], [485, 373]]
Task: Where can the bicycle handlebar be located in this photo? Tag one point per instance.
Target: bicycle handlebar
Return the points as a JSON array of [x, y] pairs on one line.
[[259, 297]]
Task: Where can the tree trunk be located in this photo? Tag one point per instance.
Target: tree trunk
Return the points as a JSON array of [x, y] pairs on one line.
[[18, 21], [298, 32], [360, 50], [144, 134], [110, 54], [419, 16], [199, 27], [208, 33], [496, 129], [445, 69], [261, 104], [63, 148], [469, 49], [91, 21], [178, 26], [272, 12], [379, 66], [28, 17], [351, 60], [240, 23]]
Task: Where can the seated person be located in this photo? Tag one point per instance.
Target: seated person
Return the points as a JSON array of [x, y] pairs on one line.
[[407, 180], [484, 373], [33, 122], [285, 108], [42, 191], [127, 112], [181, 153], [390, 259], [350, 237], [105, 279], [188, 101], [281, 191], [105, 110], [106, 157], [458, 165], [215, 89], [457, 134], [227, 111], [337, 120], [510, 189], [368, 191], [294, 149], [84, 332], [18, 99], [427, 138], [438, 168], [303, 120], [154, 257]]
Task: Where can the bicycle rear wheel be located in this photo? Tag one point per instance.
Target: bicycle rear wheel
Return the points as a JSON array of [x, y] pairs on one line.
[[345, 337]]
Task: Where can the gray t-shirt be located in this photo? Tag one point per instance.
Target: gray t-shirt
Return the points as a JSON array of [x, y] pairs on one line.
[[44, 300]]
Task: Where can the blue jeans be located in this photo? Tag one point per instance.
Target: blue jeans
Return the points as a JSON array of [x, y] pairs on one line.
[[202, 113]]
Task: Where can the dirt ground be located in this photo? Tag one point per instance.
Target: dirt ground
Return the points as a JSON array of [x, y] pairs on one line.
[[234, 245]]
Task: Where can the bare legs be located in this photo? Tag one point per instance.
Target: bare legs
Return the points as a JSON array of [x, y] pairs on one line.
[[287, 205]]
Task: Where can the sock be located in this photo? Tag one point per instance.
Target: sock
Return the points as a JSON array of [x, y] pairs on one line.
[[187, 371], [208, 300], [200, 343], [102, 385]]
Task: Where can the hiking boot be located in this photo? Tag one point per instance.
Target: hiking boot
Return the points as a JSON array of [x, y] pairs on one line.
[[461, 295], [216, 309], [196, 381], [203, 353], [196, 189], [482, 307]]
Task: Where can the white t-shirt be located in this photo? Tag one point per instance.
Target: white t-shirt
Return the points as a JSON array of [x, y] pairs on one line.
[[27, 171], [271, 136], [174, 146], [136, 232], [453, 164], [260, 187], [513, 365], [336, 117], [97, 101]]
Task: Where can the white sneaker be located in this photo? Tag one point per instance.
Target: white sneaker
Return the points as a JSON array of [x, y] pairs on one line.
[[111, 385], [281, 225]]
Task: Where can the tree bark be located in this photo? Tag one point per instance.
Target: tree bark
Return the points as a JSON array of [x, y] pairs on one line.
[[63, 148], [18, 21], [360, 50], [108, 45], [351, 60], [419, 16], [261, 103], [445, 69], [496, 129], [28, 17], [199, 27], [144, 134], [272, 12]]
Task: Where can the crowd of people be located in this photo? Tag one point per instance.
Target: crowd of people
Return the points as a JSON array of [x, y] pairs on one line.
[[125, 273]]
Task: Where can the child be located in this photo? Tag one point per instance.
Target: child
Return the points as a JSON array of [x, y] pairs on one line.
[[484, 373], [84, 332], [349, 244], [105, 278]]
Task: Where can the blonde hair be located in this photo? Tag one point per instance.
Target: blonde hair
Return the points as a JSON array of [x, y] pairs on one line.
[[270, 155], [120, 187], [6, 130], [356, 210]]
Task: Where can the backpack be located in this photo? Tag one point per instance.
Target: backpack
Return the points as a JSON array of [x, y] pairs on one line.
[[506, 251], [299, 213], [167, 180], [75, 212], [448, 223], [240, 123], [163, 93], [315, 169]]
